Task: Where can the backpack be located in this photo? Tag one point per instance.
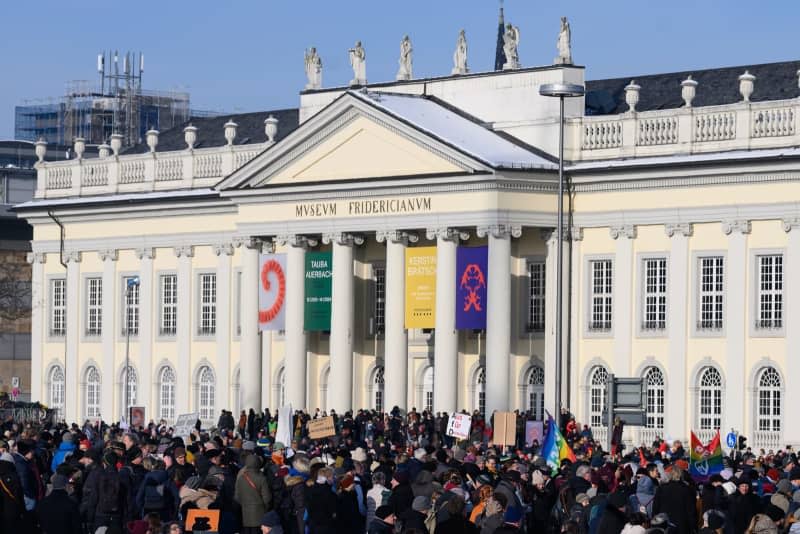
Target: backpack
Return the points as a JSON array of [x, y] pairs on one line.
[[108, 502], [154, 497]]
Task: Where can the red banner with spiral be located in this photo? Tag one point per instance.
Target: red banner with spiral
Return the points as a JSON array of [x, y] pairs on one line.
[[271, 292]]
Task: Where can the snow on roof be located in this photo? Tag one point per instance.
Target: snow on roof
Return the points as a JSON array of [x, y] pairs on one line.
[[722, 157], [455, 130], [122, 197]]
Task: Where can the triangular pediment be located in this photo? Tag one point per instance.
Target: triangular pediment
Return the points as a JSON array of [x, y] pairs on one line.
[[351, 140]]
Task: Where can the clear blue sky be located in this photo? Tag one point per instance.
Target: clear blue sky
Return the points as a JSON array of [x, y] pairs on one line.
[[246, 55]]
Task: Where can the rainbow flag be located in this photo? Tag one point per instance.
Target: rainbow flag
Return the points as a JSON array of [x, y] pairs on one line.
[[705, 460], [555, 447]]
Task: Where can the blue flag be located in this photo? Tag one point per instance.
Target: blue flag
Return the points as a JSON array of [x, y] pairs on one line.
[[472, 275]]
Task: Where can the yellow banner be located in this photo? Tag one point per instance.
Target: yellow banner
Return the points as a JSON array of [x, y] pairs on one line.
[[421, 287]]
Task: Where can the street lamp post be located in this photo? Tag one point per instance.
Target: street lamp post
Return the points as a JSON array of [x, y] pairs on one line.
[[130, 284], [560, 91]]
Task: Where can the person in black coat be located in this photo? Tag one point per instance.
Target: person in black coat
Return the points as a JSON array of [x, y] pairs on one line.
[[678, 501], [402, 494], [322, 504], [744, 505], [348, 516], [11, 496], [58, 513], [614, 517]]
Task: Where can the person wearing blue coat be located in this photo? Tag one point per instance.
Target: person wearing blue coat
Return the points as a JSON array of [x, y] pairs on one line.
[[65, 449]]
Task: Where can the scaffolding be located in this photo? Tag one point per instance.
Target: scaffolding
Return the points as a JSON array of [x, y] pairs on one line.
[[116, 103]]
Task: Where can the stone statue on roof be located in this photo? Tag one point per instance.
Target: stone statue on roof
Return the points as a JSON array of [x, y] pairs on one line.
[[358, 60], [313, 69], [564, 44], [510, 45], [460, 55], [406, 59]]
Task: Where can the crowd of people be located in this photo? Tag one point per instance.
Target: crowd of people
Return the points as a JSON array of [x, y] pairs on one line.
[[379, 473]]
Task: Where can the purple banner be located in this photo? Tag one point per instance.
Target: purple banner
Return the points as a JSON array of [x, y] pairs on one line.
[[472, 275]]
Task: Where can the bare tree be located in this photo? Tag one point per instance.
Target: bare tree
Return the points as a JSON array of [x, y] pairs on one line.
[[15, 291]]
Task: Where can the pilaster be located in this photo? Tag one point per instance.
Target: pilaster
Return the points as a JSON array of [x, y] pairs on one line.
[[678, 302], [72, 338], [791, 434], [224, 251], [38, 322], [574, 317], [108, 330], [550, 239], [736, 328], [183, 334], [623, 297]]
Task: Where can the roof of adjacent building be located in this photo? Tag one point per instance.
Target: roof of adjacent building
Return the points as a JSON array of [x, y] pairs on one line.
[[211, 131], [457, 129], [774, 81]]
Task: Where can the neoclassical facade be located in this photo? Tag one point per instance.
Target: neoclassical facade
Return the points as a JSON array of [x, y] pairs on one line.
[[683, 224]]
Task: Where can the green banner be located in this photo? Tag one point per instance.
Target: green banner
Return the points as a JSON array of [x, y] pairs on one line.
[[319, 277]]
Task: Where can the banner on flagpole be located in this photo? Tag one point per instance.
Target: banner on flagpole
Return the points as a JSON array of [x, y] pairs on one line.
[[420, 309], [705, 460], [271, 292], [318, 286], [472, 271]]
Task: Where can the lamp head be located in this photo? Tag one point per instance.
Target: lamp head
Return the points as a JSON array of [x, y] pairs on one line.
[[562, 90]]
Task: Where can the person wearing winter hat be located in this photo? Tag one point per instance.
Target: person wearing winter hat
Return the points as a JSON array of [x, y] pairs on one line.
[[58, 512], [271, 523], [414, 518], [383, 522], [64, 449]]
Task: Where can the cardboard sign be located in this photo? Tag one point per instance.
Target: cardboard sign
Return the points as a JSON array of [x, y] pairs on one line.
[[199, 520], [458, 426], [15, 382], [505, 428], [534, 431], [137, 416], [321, 428], [184, 424]]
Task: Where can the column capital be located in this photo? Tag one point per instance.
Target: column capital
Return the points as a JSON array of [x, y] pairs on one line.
[[622, 230], [396, 236], [446, 233], [682, 229], [145, 253], [790, 223], [184, 251], [739, 226], [296, 240], [500, 231], [223, 248], [108, 254], [576, 233], [72, 256], [342, 238], [267, 247], [243, 241], [36, 257]]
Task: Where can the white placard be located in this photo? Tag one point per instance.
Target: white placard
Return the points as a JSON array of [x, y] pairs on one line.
[[458, 426], [184, 424], [14, 381]]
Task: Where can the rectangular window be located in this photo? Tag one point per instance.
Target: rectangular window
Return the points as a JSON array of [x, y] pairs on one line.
[[208, 304], [94, 306], [131, 312], [711, 292], [770, 292], [655, 294], [710, 408], [536, 296], [379, 307], [601, 293], [169, 304], [58, 303]]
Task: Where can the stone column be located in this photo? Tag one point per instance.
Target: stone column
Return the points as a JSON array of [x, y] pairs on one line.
[[296, 357], [266, 366], [445, 354], [498, 316], [550, 237], [145, 338], [73, 313], [38, 322], [623, 300], [396, 336], [340, 397], [108, 331], [574, 320], [736, 327], [791, 432], [677, 298], [224, 251], [183, 334]]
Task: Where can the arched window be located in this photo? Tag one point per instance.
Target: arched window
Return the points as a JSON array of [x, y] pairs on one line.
[[479, 384], [92, 392], [710, 399], [655, 398], [282, 387], [769, 401], [130, 380], [427, 389], [166, 394], [205, 393], [56, 394], [597, 395], [534, 394], [377, 389]]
